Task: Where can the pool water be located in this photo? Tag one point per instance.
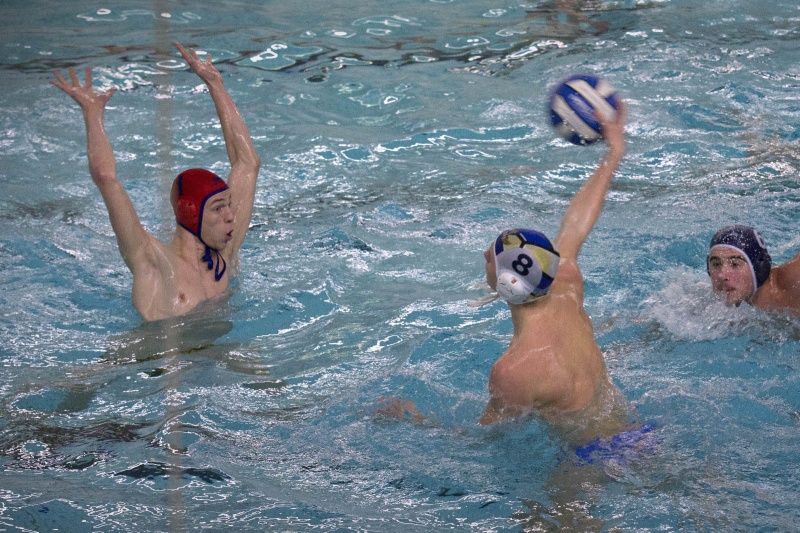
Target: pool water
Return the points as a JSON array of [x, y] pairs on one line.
[[397, 139]]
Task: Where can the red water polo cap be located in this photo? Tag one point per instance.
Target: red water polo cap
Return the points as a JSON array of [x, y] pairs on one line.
[[190, 192]]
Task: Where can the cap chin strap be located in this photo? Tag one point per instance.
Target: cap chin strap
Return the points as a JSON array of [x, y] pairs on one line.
[[210, 261], [486, 298]]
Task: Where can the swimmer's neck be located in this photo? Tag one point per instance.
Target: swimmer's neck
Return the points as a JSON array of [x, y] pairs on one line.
[[187, 246], [522, 315]]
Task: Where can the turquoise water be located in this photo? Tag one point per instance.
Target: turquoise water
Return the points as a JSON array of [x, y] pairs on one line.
[[397, 139]]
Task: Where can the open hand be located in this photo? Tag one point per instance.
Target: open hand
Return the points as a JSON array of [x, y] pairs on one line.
[[205, 69], [83, 94]]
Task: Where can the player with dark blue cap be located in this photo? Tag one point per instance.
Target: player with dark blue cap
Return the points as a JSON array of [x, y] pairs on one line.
[[741, 270]]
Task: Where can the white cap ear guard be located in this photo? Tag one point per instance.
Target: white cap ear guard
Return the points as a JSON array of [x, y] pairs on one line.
[[512, 288]]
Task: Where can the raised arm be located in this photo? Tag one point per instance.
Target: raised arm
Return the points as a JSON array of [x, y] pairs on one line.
[[587, 203], [241, 152], [131, 236]]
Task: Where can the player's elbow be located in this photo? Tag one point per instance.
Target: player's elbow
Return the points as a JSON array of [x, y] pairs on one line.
[[248, 163], [256, 162], [103, 177], [245, 154]]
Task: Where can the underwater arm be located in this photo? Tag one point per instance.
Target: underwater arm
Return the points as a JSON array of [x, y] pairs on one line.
[[131, 236], [586, 205], [243, 157]]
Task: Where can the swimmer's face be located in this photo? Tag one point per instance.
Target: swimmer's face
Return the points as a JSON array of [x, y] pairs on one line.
[[491, 269], [731, 278], [217, 225]]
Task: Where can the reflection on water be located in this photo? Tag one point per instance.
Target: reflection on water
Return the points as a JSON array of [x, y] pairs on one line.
[[154, 340], [154, 471], [487, 41], [67, 421]]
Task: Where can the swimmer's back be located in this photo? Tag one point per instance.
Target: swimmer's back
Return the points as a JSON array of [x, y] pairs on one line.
[[553, 367]]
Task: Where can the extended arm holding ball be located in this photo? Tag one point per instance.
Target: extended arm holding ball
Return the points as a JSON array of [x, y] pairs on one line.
[[588, 202]]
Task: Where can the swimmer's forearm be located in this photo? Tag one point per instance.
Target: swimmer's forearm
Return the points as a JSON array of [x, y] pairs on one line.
[[102, 164], [98, 148], [611, 160], [586, 205], [242, 155], [103, 169], [241, 151], [238, 142]]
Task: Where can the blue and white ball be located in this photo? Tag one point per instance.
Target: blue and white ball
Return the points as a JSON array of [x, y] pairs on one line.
[[572, 105]]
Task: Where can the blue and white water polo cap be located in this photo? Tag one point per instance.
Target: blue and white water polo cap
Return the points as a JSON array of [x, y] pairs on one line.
[[748, 241], [526, 263]]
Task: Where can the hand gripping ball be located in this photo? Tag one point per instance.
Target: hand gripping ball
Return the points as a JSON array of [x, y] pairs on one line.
[[572, 105]]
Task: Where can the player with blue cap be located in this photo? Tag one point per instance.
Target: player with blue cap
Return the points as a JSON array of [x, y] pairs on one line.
[[553, 366], [526, 263], [741, 270]]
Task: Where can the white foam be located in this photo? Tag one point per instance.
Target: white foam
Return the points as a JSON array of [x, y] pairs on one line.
[[687, 308]]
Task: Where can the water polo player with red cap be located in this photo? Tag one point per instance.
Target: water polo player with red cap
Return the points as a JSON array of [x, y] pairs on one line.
[[212, 216], [191, 190]]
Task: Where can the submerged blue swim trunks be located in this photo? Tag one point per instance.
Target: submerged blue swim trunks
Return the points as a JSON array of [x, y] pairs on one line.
[[618, 447]]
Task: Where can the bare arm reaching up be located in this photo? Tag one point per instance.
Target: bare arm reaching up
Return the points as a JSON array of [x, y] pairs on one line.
[[244, 160], [131, 236], [587, 203]]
